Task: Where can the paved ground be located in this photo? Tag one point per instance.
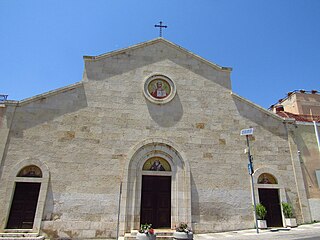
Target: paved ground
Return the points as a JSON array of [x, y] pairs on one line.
[[303, 232]]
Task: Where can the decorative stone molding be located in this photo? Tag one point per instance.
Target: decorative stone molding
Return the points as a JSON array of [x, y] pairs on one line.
[[271, 171], [132, 183]]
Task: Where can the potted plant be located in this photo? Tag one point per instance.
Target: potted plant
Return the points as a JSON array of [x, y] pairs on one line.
[[261, 212], [146, 232], [183, 232], [289, 219]]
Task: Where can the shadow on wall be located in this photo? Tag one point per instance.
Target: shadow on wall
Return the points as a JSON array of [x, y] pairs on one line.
[[262, 118], [148, 54], [48, 108], [305, 139], [2, 114], [303, 136], [42, 110], [166, 115], [48, 214], [195, 205]]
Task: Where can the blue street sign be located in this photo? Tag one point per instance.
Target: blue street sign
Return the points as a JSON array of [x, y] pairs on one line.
[[250, 168], [245, 132]]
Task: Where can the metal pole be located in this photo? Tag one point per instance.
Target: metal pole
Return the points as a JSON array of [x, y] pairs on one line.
[[119, 210], [252, 184]]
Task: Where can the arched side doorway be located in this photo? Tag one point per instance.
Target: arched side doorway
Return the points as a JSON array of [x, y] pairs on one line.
[[26, 194], [270, 194], [25, 199], [175, 185]]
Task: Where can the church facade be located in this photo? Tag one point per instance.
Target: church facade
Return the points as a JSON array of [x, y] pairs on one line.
[[150, 134]]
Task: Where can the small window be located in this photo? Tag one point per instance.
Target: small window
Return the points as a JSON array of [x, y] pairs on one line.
[[156, 164], [266, 178], [30, 171]]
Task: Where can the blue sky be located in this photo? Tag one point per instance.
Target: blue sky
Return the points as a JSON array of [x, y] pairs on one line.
[[273, 46]]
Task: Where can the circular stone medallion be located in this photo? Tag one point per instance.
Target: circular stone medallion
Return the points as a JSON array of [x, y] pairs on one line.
[[159, 89]]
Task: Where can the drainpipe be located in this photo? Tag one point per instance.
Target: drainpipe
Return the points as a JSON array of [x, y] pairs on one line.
[[317, 134], [315, 129]]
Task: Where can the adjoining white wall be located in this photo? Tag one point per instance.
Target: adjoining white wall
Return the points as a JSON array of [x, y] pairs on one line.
[[314, 204]]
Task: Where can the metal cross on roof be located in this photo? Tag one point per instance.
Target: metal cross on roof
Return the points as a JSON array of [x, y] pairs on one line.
[[160, 26], [3, 98]]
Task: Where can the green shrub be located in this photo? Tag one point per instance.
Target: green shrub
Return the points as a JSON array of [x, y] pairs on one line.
[[261, 211], [287, 210]]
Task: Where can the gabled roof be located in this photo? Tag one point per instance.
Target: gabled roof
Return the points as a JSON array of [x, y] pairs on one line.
[[256, 106], [299, 118], [155, 41], [44, 95]]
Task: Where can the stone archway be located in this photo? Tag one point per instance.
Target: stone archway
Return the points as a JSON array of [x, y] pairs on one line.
[[269, 191], [25, 199], [132, 184], [34, 175]]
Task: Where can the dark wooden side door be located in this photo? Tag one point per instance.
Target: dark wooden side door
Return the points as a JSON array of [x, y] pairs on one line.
[[270, 199], [156, 201], [24, 205]]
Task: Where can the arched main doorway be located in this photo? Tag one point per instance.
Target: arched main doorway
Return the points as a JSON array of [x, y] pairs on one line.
[[156, 193], [140, 178]]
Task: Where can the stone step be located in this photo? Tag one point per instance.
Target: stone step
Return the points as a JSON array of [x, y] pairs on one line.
[[164, 232], [164, 237], [158, 238], [18, 234], [21, 236]]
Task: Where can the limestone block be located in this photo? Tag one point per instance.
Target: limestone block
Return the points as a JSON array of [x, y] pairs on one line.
[[88, 234]]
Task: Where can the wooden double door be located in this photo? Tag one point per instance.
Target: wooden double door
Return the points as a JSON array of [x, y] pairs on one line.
[[23, 206], [270, 199], [156, 201]]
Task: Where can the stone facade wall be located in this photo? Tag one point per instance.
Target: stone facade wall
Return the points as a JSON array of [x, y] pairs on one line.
[[85, 134], [314, 204], [310, 156], [306, 141]]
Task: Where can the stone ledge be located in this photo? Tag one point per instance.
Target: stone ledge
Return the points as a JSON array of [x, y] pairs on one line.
[[21, 236]]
